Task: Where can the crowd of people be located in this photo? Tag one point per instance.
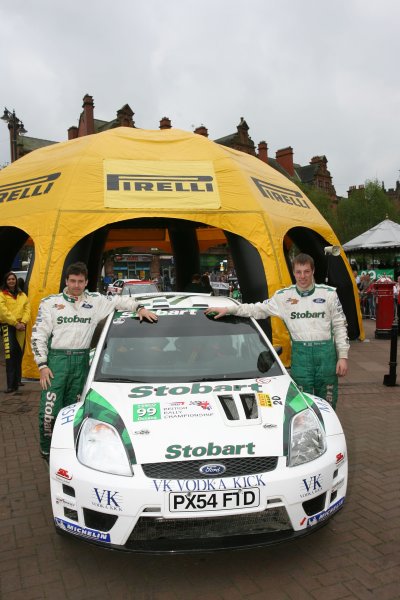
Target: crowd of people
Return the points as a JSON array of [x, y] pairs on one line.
[[367, 290], [209, 282]]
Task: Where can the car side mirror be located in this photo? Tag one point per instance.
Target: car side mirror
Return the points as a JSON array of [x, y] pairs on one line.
[[265, 361]]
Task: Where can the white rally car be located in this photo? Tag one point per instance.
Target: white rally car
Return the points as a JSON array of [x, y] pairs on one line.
[[191, 436]]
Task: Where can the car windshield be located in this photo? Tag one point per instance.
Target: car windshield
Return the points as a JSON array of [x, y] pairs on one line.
[[139, 288], [184, 345]]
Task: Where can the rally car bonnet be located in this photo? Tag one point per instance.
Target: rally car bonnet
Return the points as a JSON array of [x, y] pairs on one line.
[[196, 420]]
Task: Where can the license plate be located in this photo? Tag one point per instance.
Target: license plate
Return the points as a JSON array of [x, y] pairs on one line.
[[218, 500]]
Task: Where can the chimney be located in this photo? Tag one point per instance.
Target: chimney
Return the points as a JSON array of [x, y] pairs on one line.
[[125, 117], [165, 123], [243, 131], [202, 130], [352, 188], [263, 151], [72, 132], [284, 157], [88, 118]]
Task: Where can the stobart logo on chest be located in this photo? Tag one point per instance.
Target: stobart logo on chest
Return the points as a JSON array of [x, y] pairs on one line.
[[307, 315], [74, 319]]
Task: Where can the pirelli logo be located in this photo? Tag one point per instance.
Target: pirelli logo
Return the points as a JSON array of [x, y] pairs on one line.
[[28, 188], [160, 184], [281, 194]]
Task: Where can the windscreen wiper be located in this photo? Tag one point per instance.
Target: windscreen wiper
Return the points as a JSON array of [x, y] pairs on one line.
[[118, 380], [220, 378]]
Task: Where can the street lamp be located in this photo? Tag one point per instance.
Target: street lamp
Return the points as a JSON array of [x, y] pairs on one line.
[[16, 127]]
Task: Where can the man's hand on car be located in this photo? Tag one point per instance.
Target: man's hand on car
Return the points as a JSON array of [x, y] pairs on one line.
[[218, 311], [144, 313]]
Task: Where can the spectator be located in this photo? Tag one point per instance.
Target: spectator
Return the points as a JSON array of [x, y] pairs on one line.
[[195, 285], [167, 282], [396, 295], [357, 278], [371, 300], [15, 313], [205, 282], [365, 282]]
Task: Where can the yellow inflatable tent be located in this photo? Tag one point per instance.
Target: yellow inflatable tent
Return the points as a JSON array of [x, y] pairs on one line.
[[66, 198]]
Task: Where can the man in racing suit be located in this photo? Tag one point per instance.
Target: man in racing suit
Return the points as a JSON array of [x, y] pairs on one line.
[[317, 326], [60, 343]]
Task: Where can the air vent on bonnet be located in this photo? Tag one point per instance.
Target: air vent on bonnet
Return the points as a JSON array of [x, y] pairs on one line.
[[234, 407], [160, 302]]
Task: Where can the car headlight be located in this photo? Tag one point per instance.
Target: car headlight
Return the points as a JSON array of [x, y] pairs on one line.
[[100, 447], [307, 438]]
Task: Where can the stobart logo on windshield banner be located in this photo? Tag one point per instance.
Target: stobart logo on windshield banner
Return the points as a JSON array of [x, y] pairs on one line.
[[160, 184], [142, 391], [28, 188]]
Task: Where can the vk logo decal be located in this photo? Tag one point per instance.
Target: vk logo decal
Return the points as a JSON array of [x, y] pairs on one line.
[[107, 499], [311, 485]]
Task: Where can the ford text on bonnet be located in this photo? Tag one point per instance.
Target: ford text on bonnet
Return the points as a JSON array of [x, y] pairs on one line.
[[192, 436]]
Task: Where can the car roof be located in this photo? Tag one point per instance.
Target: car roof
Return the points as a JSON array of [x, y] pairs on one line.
[[183, 300], [128, 280], [137, 281]]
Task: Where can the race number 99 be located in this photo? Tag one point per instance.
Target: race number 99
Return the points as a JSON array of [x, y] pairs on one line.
[[149, 411]]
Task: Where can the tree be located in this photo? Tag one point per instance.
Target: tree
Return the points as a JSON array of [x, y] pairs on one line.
[[322, 202], [364, 208]]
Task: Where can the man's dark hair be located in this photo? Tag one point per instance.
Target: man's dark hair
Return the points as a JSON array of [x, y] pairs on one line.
[[78, 268], [303, 259]]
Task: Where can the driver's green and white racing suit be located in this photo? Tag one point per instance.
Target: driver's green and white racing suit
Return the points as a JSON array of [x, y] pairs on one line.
[[60, 340], [318, 330]]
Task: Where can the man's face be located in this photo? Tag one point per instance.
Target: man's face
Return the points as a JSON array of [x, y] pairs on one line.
[[303, 275], [76, 284]]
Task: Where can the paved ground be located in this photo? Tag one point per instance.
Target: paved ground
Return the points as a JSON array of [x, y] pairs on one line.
[[357, 555]]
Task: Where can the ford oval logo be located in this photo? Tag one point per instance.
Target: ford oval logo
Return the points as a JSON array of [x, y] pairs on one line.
[[212, 469]]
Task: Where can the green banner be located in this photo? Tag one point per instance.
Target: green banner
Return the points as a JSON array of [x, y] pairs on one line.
[[377, 273]]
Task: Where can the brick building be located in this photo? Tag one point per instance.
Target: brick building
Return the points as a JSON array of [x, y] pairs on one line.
[[315, 174], [392, 193]]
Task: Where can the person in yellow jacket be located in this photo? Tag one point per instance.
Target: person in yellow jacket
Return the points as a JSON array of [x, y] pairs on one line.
[[15, 313]]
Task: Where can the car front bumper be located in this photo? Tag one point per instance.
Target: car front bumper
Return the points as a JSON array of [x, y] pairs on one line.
[[134, 513]]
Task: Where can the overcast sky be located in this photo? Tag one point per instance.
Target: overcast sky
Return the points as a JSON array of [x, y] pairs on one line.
[[320, 76]]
